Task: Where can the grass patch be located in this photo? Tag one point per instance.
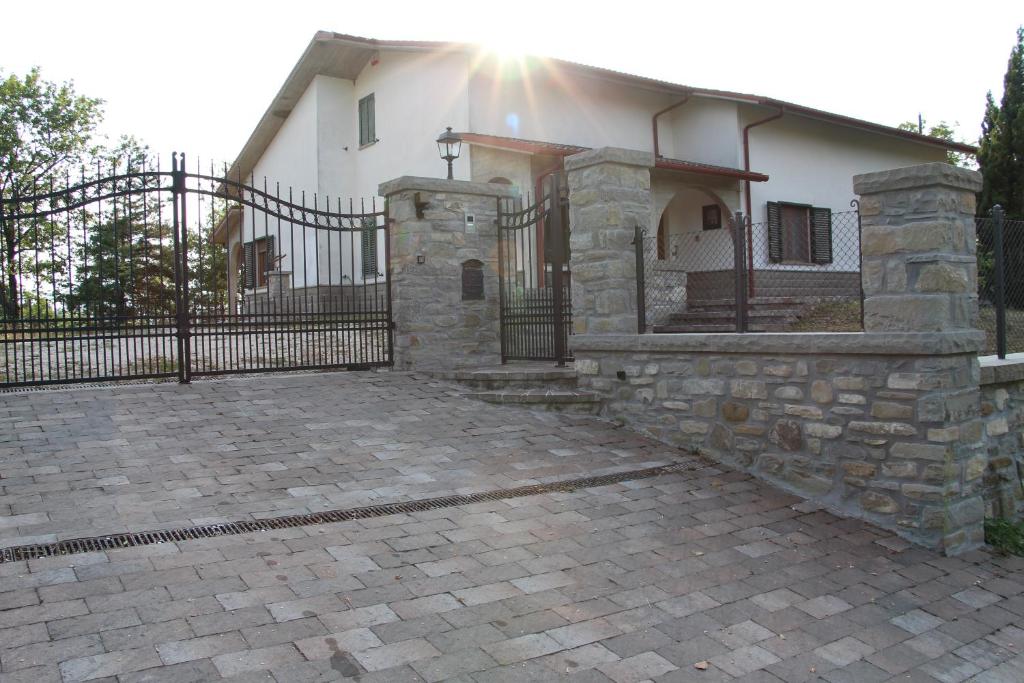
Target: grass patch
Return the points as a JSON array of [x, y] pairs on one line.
[[830, 316], [1005, 536]]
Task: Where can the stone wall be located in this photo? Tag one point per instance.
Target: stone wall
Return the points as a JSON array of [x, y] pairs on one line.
[[885, 424], [1002, 409], [435, 329], [873, 432]]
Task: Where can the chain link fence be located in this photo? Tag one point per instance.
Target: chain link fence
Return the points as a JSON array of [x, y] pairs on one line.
[[797, 271], [1001, 283]]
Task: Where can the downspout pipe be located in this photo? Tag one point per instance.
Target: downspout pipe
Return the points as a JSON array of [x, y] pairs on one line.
[[746, 191], [654, 123]]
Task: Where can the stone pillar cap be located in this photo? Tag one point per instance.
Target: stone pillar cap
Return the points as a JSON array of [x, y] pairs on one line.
[[923, 175], [609, 155], [443, 185]]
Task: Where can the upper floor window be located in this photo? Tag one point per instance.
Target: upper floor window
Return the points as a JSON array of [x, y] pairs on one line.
[[367, 128]]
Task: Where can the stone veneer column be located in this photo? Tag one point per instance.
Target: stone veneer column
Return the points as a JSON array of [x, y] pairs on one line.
[[434, 328], [920, 275], [609, 194], [920, 264]]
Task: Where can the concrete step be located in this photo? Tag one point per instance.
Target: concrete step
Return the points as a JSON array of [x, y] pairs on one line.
[[695, 315], [575, 401], [514, 376], [752, 326]]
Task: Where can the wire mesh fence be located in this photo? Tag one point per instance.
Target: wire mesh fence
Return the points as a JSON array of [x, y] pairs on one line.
[[1001, 283], [797, 271]]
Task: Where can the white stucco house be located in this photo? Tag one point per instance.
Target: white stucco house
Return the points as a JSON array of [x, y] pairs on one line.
[[355, 112]]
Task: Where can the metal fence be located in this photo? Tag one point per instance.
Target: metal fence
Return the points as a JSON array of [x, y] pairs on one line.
[[797, 271], [1001, 282], [133, 271]]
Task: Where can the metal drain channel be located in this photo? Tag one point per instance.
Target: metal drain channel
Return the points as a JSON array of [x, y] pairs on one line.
[[141, 538]]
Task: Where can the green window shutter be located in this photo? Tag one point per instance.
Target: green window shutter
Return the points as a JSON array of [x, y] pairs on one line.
[[821, 235], [367, 132], [250, 265], [371, 119], [774, 232], [369, 248]]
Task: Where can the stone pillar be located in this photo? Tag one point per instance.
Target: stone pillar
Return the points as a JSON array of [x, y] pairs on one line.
[[920, 264], [609, 194], [279, 284], [920, 277], [431, 237]]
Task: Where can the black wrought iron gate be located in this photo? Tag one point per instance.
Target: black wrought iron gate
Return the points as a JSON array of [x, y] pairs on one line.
[[534, 276], [133, 272]]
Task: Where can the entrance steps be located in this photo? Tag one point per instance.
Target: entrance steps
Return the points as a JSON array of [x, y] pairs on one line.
[[533, 385], [765, 314]]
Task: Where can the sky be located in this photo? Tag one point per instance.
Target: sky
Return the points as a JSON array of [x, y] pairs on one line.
[[197, 76]]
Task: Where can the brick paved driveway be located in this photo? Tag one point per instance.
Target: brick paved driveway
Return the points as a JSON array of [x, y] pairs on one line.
[[629, 582]]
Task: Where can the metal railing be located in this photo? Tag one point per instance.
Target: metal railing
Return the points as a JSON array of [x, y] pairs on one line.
[[1001, 282], [797, 271]]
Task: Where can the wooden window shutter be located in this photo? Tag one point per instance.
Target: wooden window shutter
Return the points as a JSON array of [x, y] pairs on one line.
[[250, 265], [821, 235], [774, 232], [270, 253]]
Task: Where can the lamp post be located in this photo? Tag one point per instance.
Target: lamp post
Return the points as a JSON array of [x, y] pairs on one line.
[[449, 145]]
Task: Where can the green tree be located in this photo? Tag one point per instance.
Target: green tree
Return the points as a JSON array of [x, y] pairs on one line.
[[1001, 147], [46, 129], [124, 264], [941, 130]]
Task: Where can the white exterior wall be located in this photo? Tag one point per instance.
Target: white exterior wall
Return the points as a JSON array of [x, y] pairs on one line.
[[287, 163], [413, 102], [702, 130], [489, 163], [581, 110], [417, 94], [810, 162]]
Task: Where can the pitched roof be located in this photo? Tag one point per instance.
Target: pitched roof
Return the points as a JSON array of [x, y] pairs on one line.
[[344, 56], [562, 150]]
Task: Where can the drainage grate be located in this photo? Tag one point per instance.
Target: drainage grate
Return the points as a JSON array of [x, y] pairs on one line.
[[130, 540]]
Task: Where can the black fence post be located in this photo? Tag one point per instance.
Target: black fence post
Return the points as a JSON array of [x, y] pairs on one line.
[[641, 287], [556, 227], [1000, 266], [740, 268]]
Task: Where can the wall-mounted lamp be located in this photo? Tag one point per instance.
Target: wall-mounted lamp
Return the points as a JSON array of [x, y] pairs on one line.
[[449, 145]]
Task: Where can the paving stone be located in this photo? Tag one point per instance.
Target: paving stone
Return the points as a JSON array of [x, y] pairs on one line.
[[200, 648], [824, 606], [186, 672], [703, 565], [637, 668], [323, 647], [109, 664], [844, 651], [522, 648], [446, 667], [248, 661], [396, 654], [579, 659], [51, 652], [744, 660]]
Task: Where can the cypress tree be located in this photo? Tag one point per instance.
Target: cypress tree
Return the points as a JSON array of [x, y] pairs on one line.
[[1001, 147]]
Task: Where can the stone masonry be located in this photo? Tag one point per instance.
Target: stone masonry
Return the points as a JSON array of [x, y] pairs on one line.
[[884, 424], [435, 329], [609, 193], [1002, 409]]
